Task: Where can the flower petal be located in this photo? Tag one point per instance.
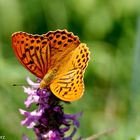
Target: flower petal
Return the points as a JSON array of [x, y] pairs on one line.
[[31, 83]]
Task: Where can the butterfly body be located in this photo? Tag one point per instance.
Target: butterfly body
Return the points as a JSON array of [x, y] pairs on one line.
[[47, 79], [58, 58]]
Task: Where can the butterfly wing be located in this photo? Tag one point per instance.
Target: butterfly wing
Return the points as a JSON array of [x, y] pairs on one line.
[[69, 86], [61, 43], [32, 51], [39, 53]]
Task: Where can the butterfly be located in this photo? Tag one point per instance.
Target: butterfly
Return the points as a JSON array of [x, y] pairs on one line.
[[57, 57]]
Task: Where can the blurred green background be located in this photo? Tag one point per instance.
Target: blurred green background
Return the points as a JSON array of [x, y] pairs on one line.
[[112, 80]]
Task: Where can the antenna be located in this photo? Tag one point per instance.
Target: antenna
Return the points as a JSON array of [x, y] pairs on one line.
[[34, 85], [19, 85]]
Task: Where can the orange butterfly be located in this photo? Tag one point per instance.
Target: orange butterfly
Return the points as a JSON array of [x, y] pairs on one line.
[[58, 58]]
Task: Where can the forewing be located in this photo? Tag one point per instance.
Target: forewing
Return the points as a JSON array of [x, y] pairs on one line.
[[61, 43], [80, 57], [32, 51]]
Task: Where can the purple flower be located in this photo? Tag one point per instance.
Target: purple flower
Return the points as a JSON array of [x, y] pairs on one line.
[[48, 120]]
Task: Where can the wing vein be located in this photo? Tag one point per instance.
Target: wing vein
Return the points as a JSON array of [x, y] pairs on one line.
[[36, 56]]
